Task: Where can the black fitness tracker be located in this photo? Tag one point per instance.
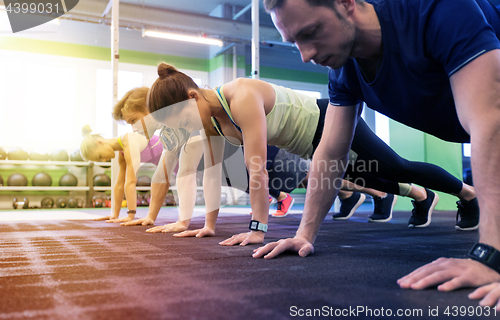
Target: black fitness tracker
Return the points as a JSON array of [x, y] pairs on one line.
[[131, 211], [487, 255], [257, 226]]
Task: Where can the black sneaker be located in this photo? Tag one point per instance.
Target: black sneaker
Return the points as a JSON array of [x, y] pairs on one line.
[[422, 210], [349, 205], [469, 215], [382, 208]]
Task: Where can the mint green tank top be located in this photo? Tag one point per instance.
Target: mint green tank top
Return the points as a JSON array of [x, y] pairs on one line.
[[291, 124]]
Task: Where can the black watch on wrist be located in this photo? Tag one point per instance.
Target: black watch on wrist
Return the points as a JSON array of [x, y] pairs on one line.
[[257, 226], [487, 255]]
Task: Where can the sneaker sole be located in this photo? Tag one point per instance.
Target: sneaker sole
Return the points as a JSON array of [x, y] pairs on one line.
[[356, 206], [434, 203], [284, 215], [467, 229], [390, 215]]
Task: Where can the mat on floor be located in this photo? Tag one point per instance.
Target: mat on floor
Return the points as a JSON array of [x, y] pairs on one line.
[[85, 269]]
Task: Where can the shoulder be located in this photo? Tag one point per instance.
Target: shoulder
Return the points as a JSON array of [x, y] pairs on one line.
[[243, 86]]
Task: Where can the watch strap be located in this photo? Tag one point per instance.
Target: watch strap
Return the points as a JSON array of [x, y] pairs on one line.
[[257, 226], [491, 259]]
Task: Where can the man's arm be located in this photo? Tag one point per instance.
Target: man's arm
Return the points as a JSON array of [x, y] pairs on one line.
[[325, 177], [476, 90]]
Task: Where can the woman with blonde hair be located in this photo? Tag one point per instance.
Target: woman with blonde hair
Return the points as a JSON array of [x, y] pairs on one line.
[[133, 149]]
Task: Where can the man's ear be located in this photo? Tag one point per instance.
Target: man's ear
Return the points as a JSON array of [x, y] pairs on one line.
[[348, 5]]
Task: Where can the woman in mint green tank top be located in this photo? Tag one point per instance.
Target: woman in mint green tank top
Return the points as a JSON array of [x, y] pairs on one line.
[[256, 113]]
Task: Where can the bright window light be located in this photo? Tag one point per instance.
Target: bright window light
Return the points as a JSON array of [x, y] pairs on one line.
[[4, 22], [127, 80], [38, 105], [197, 81], [467, 149], [181, 37], [382, 127]]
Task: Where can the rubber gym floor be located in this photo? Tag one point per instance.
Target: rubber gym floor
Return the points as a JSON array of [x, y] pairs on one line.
[[59, 264]]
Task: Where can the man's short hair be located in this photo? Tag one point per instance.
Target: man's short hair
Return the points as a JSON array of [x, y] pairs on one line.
[[270, 5]]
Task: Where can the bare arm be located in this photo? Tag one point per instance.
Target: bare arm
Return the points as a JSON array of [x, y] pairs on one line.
[[119, 186], [133, 144], [213, 149], [160, 183], [118, 190], [476, 90], [249, 112]]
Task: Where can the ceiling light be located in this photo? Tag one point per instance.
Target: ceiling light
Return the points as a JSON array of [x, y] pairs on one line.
[[181, 37]]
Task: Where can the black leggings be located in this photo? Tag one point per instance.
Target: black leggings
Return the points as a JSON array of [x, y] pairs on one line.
[[381, 168]]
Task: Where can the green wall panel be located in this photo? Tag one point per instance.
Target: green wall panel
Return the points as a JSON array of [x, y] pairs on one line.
[[99, 53], [417, 146], [289, 74]]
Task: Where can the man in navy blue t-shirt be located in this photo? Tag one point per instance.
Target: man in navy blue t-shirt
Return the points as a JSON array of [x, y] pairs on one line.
[[433, 65]]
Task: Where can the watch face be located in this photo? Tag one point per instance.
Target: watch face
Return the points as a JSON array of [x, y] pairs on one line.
[[480, 252], [254, 224]]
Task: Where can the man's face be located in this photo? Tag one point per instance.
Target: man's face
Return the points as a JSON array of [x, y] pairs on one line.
[[318, 32]]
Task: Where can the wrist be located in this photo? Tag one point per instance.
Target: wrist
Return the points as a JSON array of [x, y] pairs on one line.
[[260, 234], [304, 237], [210, 226], [131, 213], [487, 255]]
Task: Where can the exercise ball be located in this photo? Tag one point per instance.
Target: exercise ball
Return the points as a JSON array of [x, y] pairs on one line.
[[76, 156], [17, 180], [72, 203], [143, 181], [3, 154], [38, 155], [59, 155], [47, 203], [68, 180], [41, 179], [61, 203], [17, 154], [102, 180], [97, 202]]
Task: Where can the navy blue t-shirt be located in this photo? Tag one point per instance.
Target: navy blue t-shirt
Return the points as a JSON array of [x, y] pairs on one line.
[[424, 43]]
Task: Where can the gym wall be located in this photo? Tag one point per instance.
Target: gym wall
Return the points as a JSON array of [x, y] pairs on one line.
[[57, 81]]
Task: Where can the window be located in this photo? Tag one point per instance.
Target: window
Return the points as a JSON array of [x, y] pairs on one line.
[[197, 81], [382, 127], [466, 149], [127, 80], [38, 105]]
